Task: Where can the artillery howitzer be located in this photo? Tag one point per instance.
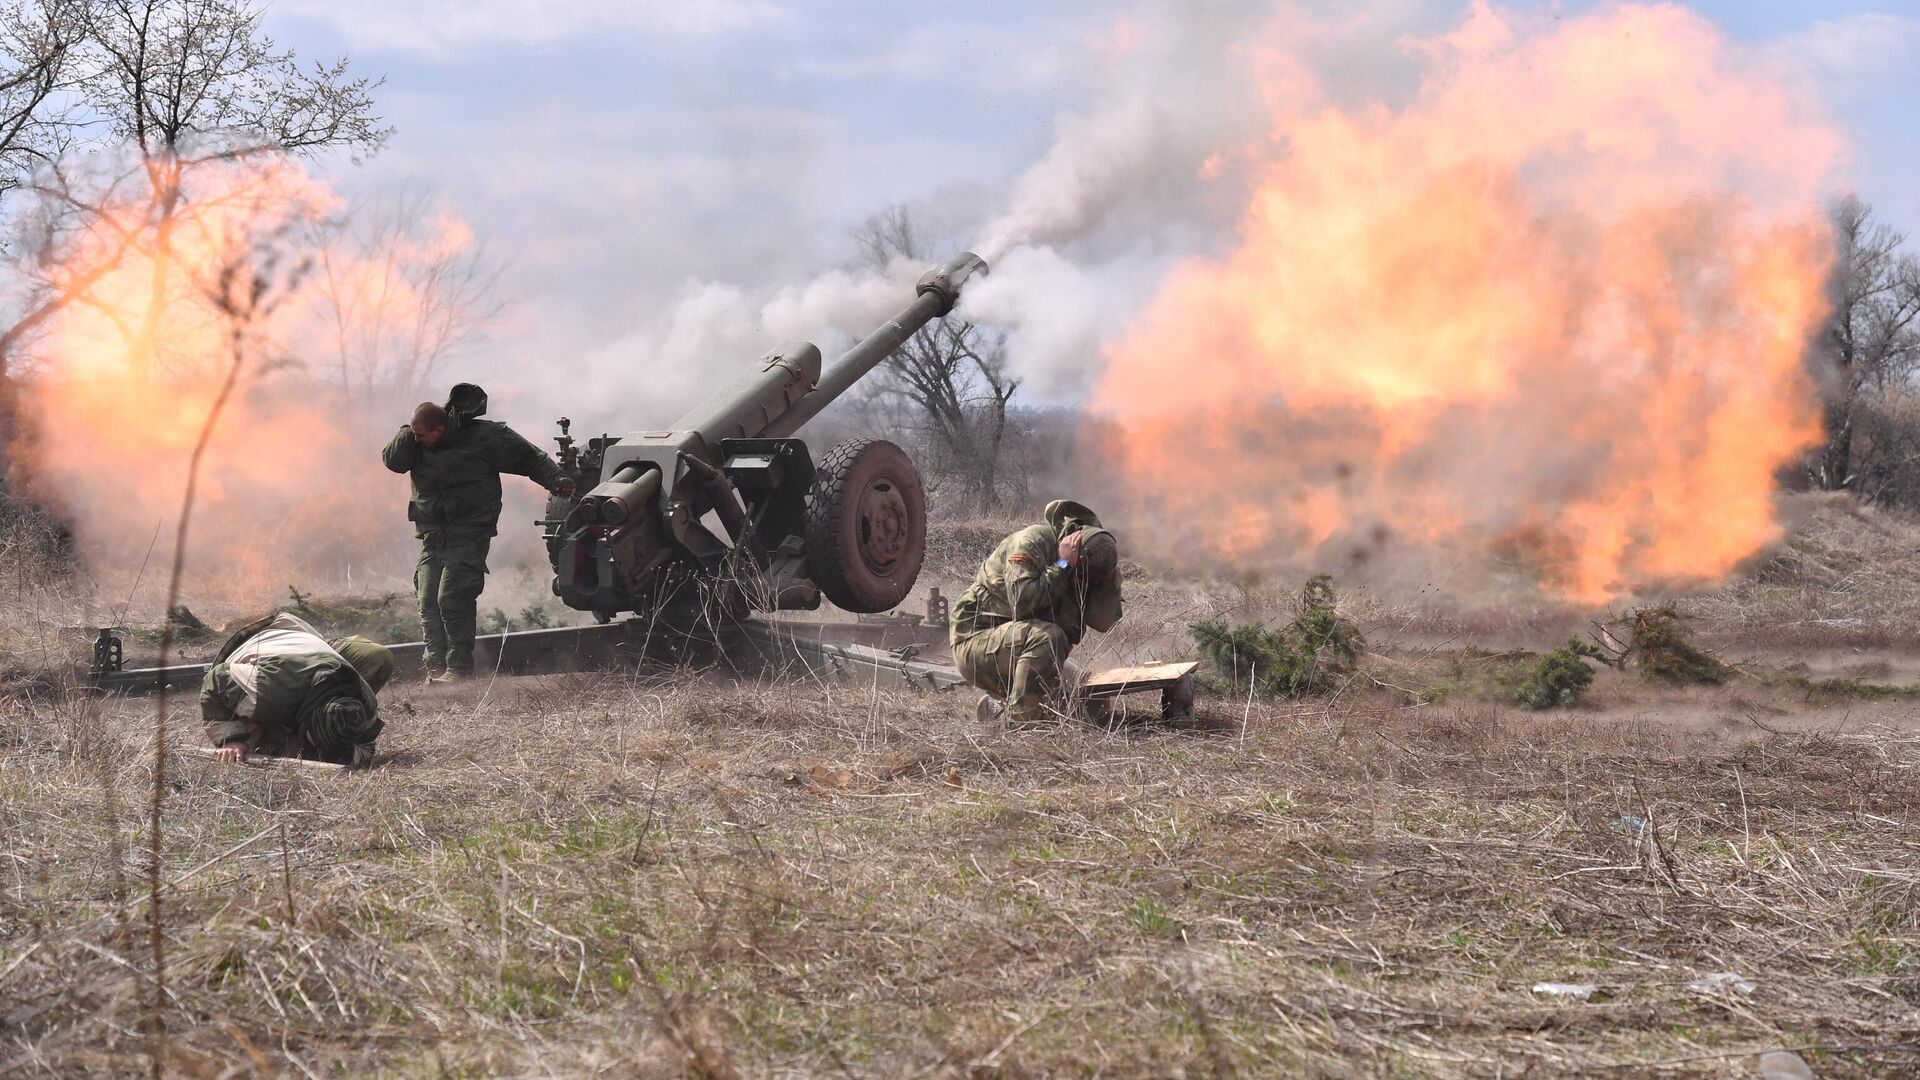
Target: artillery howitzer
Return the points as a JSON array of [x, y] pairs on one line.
[[646, 534], [851, 527]]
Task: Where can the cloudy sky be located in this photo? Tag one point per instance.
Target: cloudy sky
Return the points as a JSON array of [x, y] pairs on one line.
[[616, 155]]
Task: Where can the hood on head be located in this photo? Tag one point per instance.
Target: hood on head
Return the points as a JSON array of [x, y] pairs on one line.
[[342, 724], [466, 402]]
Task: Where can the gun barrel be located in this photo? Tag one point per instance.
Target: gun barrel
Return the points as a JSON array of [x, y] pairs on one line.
[[618, 499], [652, 489], [938, 289], [744, 409]]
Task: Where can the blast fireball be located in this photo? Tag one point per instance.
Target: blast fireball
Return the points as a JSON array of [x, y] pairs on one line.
[[1557, 304]]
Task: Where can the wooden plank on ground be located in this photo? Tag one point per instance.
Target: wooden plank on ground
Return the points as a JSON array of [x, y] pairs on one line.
[[1129, 680], [267, 761]]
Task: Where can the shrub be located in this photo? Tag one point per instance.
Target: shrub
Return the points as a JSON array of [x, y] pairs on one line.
[[1559, 680], [186, 625], [1661, 648], [387, 617], [497, 622], [1303, 657]]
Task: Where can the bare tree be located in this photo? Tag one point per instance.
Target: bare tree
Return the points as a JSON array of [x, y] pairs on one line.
[[166, 89], [38, 52], [1886, 446], [953, 372], [402, 289], [1873, 340], [38, 49]]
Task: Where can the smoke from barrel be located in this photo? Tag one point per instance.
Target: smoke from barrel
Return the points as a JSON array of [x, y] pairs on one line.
[[938, 290]]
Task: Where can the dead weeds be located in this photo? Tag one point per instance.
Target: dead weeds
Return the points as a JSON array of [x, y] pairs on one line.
[[648, 877], [671, 876]]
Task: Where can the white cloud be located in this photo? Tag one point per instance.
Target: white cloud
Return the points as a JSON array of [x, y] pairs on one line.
[[438, 27], [1038, 52], [1852, 55]]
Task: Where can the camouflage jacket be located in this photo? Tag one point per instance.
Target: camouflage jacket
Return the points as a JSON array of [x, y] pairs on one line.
[[456, 483], [267, 680], [1021, 581]]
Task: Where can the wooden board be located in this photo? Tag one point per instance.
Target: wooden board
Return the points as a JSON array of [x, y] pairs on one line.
[[1130, 680], [267, 761]]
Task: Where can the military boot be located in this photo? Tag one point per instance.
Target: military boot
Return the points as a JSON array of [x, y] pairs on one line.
[[988, 709]]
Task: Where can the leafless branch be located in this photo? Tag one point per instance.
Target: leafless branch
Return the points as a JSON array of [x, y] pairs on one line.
[[953, 373]]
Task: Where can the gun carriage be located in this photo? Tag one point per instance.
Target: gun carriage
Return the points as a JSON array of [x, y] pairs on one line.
[[725, 505], [723, 512]]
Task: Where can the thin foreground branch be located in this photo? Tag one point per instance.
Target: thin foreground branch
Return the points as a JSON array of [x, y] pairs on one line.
[[156, 922]]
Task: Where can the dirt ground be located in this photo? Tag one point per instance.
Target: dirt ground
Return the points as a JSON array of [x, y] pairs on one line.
[[670, 875], [584, 875]]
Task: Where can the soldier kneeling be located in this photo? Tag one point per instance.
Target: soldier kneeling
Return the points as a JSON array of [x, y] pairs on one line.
[[1032, 601], [278, 688]]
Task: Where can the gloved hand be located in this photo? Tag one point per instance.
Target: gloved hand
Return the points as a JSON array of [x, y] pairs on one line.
[[566, 487]]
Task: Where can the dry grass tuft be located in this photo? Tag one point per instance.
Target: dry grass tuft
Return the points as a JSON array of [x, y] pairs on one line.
[[1848, 575], [574, 875], [682, 875], [39, 612], [955, 547]]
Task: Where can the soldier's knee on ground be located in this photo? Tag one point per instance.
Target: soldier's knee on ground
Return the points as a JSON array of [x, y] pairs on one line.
[[1019, 662]]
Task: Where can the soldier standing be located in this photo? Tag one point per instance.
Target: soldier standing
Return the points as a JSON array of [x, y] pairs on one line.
[[1032, 601], [456, 460]]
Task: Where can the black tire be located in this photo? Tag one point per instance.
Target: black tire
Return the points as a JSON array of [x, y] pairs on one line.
[[866, 526]]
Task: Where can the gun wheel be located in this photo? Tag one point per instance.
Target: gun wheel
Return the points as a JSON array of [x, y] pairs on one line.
[[866, 526]]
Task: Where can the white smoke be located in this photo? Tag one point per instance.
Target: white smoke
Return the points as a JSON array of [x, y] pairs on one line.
[[1142, 176], [1143, 161], [714, 330], [1058, 312], [1149, 169], [1137, 177]]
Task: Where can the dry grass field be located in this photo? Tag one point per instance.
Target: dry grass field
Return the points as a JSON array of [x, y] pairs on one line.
[[674, 875]]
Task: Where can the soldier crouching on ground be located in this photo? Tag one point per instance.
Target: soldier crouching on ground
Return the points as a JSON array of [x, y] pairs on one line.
[[1032, 601], [278, 688], [456, 459]]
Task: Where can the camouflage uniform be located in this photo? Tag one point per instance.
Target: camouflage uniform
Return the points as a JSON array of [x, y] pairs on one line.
[[455, 512], [1015, 625], [280, 688]]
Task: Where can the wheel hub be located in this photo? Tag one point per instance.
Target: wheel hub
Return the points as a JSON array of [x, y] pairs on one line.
[[883, 526]]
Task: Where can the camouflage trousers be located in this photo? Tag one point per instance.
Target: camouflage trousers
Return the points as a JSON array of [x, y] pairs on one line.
[[1019, 662], [451, 573]]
